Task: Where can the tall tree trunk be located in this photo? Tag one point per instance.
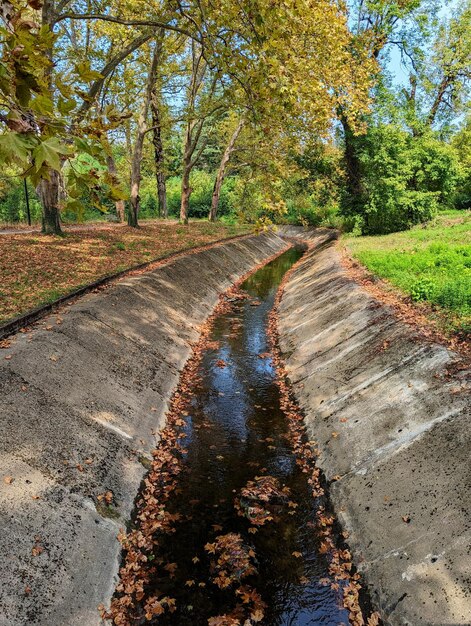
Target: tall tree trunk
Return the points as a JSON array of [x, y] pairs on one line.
[[186, 191], [49, 188], [222, 172], [159, 155], [355, 188], [48, 191], [135, 199], [119, 204], [138, 146], [194, 127]]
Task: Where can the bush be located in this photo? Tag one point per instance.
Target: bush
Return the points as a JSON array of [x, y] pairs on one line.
[[406, 179], [13, 202], [305, 212], [200, 200]]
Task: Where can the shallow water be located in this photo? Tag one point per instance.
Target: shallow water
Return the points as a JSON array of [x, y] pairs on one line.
[[236, 432]]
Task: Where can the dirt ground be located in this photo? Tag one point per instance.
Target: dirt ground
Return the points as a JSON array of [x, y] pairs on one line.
[[36, 269]]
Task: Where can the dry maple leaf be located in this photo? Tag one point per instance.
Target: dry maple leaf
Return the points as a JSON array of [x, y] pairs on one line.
[[373, 619], [36, 550], [257, 615]]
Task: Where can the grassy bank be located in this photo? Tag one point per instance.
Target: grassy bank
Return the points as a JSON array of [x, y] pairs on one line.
[[430, 263], [37, 269]]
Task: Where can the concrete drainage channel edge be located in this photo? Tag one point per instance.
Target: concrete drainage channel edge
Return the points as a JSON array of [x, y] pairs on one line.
[[393, 431], [82, 400]]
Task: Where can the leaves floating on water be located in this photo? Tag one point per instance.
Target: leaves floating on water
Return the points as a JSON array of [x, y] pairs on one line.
[[235, 560], [257, 496]]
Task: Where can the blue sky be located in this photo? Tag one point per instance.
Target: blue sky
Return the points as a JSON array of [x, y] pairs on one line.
[[399, 72]]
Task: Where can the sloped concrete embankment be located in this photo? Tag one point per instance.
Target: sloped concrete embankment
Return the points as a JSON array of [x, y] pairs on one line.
[[80, 400], [394, 437]]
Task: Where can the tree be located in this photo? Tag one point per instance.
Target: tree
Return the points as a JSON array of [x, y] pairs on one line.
[[199, 108], [42, 114], [439, 81], [221, 173], [139, 143], [406, 178], [374, 26]]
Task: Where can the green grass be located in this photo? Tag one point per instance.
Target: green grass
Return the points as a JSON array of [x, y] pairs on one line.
[[431, 263]]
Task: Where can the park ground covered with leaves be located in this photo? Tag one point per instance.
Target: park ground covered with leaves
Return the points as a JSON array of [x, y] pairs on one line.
[[430, 263], [37, 269]]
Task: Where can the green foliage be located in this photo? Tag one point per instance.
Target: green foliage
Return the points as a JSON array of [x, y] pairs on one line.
[[200, 200], [406, 179], [422, 289], [13, 201], [430, 264]]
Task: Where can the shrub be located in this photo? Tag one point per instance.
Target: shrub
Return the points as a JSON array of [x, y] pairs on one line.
[[422, 289], [406, 179]]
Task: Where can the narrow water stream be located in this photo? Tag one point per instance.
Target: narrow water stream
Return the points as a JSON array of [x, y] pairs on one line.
[[227, 531], [236, 437]]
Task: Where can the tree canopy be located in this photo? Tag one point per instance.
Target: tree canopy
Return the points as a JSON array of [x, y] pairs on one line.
[[99, 99]]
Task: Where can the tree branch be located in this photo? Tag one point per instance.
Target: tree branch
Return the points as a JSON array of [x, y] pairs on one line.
[[125, 22], [108, 69]]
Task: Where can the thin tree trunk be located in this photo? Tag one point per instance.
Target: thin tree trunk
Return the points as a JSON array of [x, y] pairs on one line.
[[194, 129], [159, 155], [119, 204], [138, 146], [444, 84], [157, 139], [186, 191], [135, 199], [222, 172]]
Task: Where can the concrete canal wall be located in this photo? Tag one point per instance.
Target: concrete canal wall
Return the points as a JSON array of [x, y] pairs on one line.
[[81, 396], [393, 430]]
